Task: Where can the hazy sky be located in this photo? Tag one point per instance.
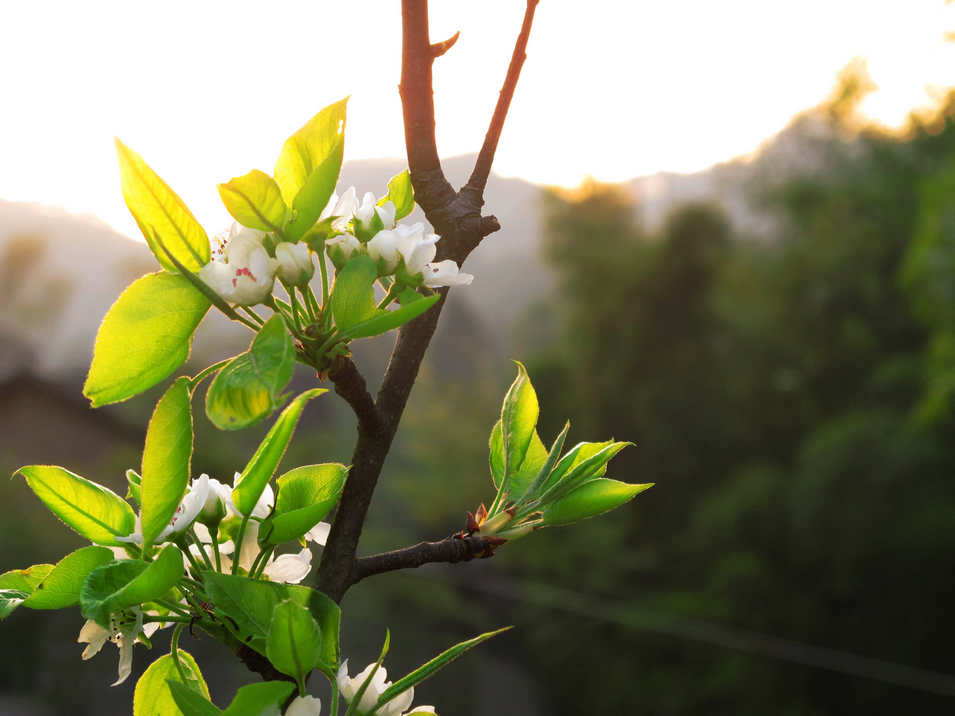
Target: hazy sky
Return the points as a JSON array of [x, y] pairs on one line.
[[206, 90]]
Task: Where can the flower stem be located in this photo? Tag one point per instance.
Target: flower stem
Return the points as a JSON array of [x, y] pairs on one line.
[[172, 606], [240, 535], [199, 377], [324, 269], [167, 618], [214, 533], [261, 562], [183, 544], [389, 297], [334, 685], [202, 549], [174, 651], [253, 315]]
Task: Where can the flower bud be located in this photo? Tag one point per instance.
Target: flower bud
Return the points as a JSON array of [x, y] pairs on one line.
[[295, 263], [341, 248]]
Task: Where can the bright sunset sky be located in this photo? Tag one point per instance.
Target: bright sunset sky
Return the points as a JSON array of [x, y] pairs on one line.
[[205, 90]]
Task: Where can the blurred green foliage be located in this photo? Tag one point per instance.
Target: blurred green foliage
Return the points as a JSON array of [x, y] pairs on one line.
[[792, 396]]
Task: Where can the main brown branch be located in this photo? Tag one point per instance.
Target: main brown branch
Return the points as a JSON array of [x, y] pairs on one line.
[[457, 218]]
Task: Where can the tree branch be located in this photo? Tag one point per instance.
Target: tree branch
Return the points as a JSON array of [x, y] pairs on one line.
[[456, 217], [482, 167], [456, 548], [350, 385]]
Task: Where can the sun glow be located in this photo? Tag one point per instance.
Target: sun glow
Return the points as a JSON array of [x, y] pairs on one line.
[[202, 90]]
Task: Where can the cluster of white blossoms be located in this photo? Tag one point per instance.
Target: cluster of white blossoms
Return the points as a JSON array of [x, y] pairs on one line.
[[210, 501], [243, 272]]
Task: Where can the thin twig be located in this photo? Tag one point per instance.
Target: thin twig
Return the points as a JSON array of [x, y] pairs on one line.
[[456, 548], [482, 167]]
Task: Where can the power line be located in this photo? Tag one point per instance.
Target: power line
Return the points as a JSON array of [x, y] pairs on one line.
[[577, 603]]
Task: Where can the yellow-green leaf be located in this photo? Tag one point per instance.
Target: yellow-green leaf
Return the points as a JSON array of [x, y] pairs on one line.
[[152, 696], [144, 337], [95, 512], [166, 459], [153, 204], [254, 200]]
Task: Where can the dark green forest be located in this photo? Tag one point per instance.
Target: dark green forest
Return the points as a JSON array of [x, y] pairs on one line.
[[791, 392], [792, 396]]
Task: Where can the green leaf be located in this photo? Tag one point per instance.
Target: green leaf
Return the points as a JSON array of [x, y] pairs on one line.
[[308, 166], [306, 494], [383, 321], [294, 641], [591, 499], [401, 194], [166, 459], [353, 294], [497, 458], [313, 197], [258, 699], [536, 487], [189, 701], [250, 603], [61, 587], [267, 457], [134, 486], [153, 203], [95, 512], [430, 668], [534, 459], [128, 583], [576, 455], [249, 388], [153, 697], [518, 419], [305, 150], [254, 200], [18, 584], [144, 337], [584, 462]]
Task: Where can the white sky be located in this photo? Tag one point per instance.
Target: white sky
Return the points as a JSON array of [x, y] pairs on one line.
[[205, 90]]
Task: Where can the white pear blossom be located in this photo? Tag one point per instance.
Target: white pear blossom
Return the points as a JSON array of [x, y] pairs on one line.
[[241, 270], [387, 212], [366, 212], [304, 706], [384, 247], [295, 263], [287, 568], [185, 514], [341, 247], [349, 686], [343, 209], [416, 246], [445, 273], [123, 629]]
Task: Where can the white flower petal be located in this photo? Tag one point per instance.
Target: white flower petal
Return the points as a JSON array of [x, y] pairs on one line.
[[445, 273], [94, 636], [387, 212], [304, 706], [290, 568], [319, 533]]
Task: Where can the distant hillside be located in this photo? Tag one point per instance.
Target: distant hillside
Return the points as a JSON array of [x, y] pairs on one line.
[[59, 273]]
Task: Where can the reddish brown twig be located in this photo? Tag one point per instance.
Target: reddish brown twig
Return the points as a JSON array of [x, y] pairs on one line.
[[456, 217]]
